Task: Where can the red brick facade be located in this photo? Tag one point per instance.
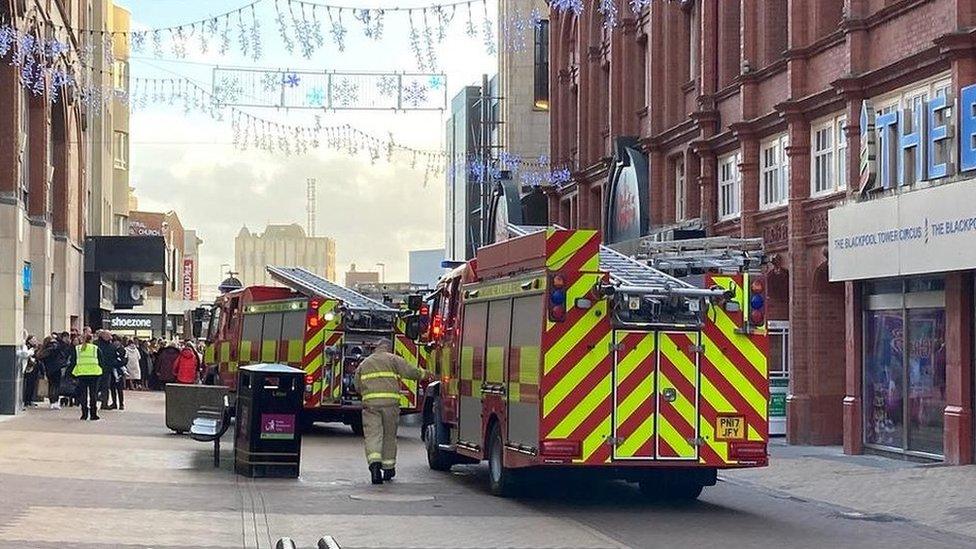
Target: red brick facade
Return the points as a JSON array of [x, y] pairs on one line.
[[697, 80]]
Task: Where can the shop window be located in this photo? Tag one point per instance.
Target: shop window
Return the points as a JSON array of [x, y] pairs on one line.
[[729, 187], [774, 176], [829, 157], [904, 365], [541, 65]]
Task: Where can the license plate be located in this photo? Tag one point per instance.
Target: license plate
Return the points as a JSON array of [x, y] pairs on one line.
[[730, 428]]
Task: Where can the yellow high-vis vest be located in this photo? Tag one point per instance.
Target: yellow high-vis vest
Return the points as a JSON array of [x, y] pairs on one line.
[[87, 363]]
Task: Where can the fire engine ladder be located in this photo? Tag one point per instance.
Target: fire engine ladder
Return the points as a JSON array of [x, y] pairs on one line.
[[697, 256], [313, 285], [630, 276]]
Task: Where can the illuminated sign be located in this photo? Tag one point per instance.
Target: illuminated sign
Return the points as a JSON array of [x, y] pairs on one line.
[[900, 147]]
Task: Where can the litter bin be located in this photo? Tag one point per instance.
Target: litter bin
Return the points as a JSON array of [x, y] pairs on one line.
[[267, 441]]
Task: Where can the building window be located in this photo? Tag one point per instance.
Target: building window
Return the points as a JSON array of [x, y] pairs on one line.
[[829, 153], [694, 39], [121, 150], [774, 177], [120, 73], [541, 68], [680, 190], [729, 187], [910, 103]]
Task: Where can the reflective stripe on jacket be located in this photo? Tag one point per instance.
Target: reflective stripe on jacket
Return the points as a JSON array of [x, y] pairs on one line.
[[378, 378], [87, 361]]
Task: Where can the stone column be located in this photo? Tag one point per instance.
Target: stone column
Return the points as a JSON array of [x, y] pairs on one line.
[[798, 404], [749, 170]]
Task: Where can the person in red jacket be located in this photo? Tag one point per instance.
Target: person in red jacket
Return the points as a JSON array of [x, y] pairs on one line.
[[187, 366]]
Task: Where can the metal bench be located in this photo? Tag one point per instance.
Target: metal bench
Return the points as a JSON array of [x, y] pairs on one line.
[[210, 424]]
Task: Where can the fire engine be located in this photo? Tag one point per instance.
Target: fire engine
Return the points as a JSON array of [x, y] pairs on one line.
[[312, 324], [553, 351]]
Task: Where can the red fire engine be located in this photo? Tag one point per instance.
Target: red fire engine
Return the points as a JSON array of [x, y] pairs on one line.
[[553, 351], [312, 324]]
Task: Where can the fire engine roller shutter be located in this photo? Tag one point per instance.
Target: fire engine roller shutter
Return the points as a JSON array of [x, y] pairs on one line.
[[523, 371], [677, 395], [411, 352], [318, 336], [472, 373]]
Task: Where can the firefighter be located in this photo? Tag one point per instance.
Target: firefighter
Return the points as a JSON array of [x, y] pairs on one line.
[[378, 381]]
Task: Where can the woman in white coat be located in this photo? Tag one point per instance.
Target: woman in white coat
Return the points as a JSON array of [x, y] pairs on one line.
[[133, 373]]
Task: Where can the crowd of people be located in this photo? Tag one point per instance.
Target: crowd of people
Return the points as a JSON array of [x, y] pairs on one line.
[[93, 370]]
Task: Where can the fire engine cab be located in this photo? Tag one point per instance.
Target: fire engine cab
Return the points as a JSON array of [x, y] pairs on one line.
[[312, 324], [552, 351]]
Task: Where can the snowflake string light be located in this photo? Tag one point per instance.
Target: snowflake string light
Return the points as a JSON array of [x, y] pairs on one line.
[[637, 6], [8, 36], [436, 82], [315, 97], [415, 94], [283, 30], [488, 35], [608, 8], [429, 43], [372, 21], [415, 46], [228, 89], [338, 31], [178, 43], [388, 85], [345, 93], [242, 36], [225, 37], [575, 6], [271, 81], [469, 27], [256, 46], [291, 80]]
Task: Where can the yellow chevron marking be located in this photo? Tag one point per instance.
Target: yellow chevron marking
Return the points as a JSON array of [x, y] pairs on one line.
[[638, 438], [244, 351], [595, 439], [561, 348], [714, 398], [225, 352], [315, 341], [592, 264], [582, 409], [467, 363], [644, 389], [741, 342], [719, 447], [314, 365], [574, 376], [673, 438], [269, 350], [573, 244], [734, 377]]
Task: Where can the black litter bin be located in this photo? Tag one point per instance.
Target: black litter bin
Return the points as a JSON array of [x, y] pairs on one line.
[[268, 442]]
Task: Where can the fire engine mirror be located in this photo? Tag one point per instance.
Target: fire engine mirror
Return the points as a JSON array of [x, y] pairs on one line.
[[412, 328]]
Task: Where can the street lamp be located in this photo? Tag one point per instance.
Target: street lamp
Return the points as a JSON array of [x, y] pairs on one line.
[[382, 267]]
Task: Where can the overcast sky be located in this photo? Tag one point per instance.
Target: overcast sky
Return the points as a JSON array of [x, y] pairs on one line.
[[376, 212]]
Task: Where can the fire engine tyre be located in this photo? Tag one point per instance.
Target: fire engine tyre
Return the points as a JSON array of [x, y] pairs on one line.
[[501, 479], [437, 459]]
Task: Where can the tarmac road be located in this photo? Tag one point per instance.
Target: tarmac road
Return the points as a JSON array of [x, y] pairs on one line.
[[126, 481]]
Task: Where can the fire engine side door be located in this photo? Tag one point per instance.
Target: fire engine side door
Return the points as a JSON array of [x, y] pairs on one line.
[[472, 359], [635, 362]]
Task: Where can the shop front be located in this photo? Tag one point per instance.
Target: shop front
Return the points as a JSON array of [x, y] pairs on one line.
[[909, 258], [142, 325]]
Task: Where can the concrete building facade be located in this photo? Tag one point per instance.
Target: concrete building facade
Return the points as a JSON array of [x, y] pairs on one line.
[[282, 245], [743, 117], [425, 266]]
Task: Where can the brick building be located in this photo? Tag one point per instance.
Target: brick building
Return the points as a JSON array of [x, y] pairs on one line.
[[743, 117]]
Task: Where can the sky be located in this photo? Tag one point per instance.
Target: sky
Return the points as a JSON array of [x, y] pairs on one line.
[[376, 212]]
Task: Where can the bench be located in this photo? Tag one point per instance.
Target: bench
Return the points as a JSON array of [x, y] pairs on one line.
[[210, 424]]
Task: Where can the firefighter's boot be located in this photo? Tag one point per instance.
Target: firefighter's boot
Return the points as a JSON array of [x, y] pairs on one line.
[[388, 474], [376, 473]]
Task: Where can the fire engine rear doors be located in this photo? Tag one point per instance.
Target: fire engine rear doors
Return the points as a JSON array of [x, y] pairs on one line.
[[656, 384]]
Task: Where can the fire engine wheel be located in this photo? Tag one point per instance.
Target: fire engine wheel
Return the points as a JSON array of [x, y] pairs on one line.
[[501, 481], [437, 459]]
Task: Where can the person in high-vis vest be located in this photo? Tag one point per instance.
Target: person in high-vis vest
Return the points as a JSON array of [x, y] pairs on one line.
[[378, 381], [85, 366]]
